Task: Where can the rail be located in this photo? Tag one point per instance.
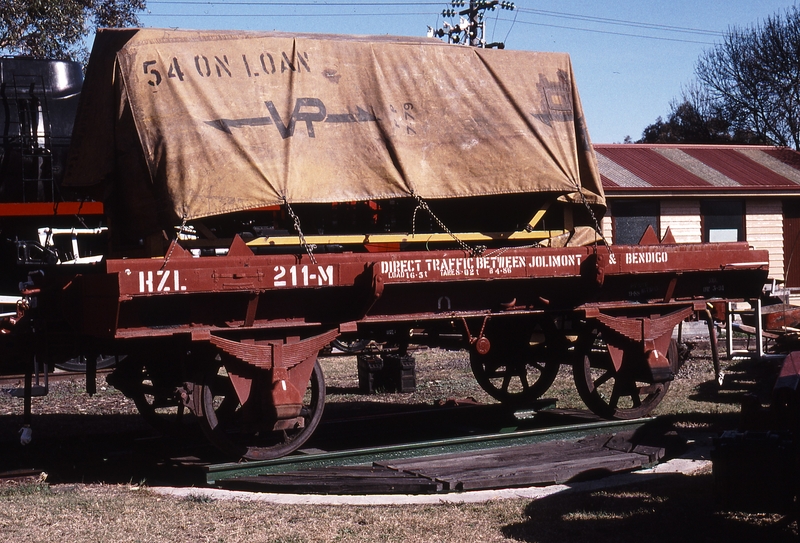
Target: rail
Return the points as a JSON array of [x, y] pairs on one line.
[[370, 455]]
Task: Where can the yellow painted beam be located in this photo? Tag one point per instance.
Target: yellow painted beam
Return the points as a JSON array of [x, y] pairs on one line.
[[537, 217], [360, 239]]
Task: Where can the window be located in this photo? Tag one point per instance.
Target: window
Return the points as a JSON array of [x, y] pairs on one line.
[[723, 220], [631, 219]]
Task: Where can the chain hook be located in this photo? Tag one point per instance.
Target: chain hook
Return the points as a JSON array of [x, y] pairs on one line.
[[296, 220]]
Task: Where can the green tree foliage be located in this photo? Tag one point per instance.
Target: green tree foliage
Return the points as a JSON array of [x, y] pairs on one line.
[[686, 124], [692, 119], [696, 119], [57, 28]]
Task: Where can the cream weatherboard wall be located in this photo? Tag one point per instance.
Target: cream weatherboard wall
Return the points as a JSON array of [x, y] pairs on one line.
[[764, 230], [608, 228], [683, 219], [763, 226]]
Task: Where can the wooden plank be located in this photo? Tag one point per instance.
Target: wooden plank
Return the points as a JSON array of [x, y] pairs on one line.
[[654, 454], [528, 453], [334, 472], [751, 330], [552, 474], [495, 461], [585, 462], [440, 473], [339, 480]]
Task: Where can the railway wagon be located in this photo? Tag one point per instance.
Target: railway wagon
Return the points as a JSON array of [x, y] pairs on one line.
[[268, 193]]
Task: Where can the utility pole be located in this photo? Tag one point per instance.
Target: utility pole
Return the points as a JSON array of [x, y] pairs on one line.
[[471, 29]]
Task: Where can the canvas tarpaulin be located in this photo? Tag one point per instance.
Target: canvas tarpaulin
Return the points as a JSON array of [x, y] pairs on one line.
[[204, 123]]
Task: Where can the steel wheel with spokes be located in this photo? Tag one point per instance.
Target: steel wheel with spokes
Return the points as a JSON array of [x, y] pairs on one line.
[[351, 346], [78, 362], [249, 433], [516, 370], [153, 387], [622, 394]]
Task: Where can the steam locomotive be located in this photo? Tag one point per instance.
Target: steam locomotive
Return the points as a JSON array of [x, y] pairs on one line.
[[40, 223]]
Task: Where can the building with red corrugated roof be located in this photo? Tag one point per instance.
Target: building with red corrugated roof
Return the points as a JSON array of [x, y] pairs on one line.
[[706, 193]]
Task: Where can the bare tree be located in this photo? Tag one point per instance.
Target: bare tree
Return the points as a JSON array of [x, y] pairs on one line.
[[57, 28], [753, 79]]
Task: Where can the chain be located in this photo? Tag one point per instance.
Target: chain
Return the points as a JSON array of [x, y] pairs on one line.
[[470, 339], [414, 222], [174, 243], [597, 226], [422, 204], [307, 246]]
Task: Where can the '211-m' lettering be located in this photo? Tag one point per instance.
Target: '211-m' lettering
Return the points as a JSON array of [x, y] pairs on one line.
[[302, 276]]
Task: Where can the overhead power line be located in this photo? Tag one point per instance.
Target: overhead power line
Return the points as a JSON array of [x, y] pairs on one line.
[[620, 22], [303, 15], [518, 19], [613, 33], [306, 4]]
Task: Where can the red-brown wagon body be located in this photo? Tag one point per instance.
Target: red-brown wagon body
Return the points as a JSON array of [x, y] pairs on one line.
[[265, 318]]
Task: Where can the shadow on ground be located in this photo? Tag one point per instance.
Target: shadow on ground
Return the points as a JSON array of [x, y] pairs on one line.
[[123, 448], [667, 509], [741, 378]]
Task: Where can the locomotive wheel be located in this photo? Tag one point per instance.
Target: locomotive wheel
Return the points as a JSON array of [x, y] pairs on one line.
[[219, 413], [617, 394], [516, 375], [152, 392]]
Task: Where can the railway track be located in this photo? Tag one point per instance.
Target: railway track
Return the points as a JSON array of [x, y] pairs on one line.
[[498, 460], [7, 381]]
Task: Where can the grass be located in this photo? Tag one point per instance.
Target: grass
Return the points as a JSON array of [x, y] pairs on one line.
[[667, 509]]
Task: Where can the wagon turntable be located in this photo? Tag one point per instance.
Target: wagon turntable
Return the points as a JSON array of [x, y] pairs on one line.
[[534, 457]]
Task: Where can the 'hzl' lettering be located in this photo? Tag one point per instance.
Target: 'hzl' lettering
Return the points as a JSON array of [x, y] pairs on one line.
[[306, 110]]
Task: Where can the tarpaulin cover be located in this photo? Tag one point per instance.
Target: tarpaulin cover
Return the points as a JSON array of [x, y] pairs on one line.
[[209, 122]]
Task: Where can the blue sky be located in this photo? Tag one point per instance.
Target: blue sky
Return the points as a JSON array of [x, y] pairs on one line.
[[630, 57]]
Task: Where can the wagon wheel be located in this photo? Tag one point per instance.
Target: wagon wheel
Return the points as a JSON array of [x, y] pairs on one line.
[[349, 346], [515, 372], [78, 363], [221, 417], [616, 394], [153, 392]]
